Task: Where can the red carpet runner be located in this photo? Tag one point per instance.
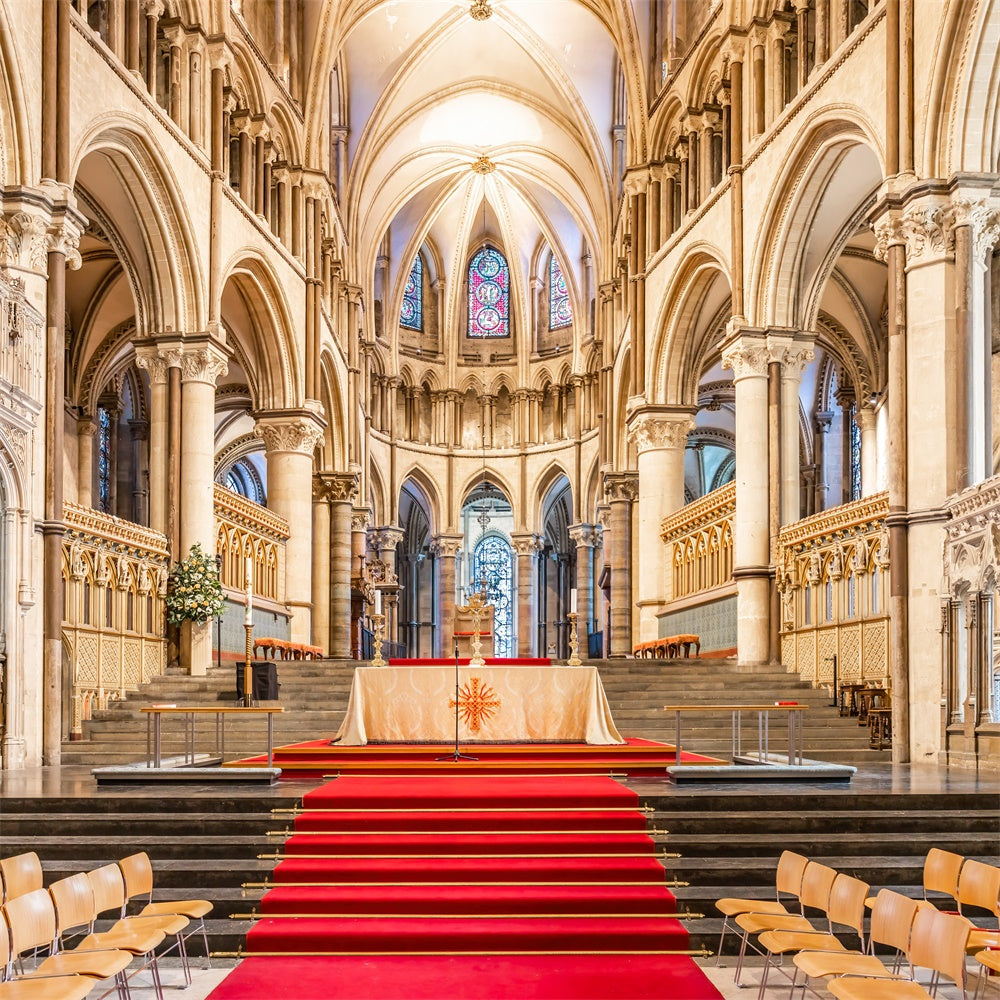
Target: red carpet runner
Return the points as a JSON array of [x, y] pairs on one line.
[[468, 888]]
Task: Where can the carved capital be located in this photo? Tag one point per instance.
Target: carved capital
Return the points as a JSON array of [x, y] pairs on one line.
[[154, 363], [928, 231], [651, 429], [889, 231], [361, 519], [982, 218], [794, 355], [583, 535], [747, 356], [386, 538], [203, 362], [446, 546], [289, 432], [621, 487], [526, 544]]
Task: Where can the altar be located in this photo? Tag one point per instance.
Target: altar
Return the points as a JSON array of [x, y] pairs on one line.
[[496, 704]]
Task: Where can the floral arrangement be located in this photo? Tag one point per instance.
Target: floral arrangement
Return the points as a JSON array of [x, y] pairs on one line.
[[194, 592]]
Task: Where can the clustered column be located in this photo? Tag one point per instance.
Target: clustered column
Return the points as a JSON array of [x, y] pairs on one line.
[[584, 536], [621, 490], [527, 546], [343, 490], [446, 549]]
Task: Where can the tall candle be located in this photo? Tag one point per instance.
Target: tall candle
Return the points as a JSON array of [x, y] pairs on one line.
[[378, 602], [249, 617], [572, 600]]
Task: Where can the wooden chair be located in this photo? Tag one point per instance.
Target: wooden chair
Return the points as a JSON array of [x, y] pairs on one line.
[[990, 963], [979, 888], [137, 872], [817, 884], [941, 873], [937, 942], [31, 922], [846, 909], [787, 881], [19, 874], [50, 988], [108, 884], [892, 921], [76, 911]]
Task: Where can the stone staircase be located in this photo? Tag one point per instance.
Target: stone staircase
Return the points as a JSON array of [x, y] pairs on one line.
[[314, 695]]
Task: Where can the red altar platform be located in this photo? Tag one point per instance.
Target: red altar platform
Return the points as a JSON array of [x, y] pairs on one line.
[[464, 661]]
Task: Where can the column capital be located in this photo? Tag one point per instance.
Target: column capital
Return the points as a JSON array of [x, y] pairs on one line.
[[361, 519], [294, 430], [526, 543], [792, 349], [865, 418], [387, 537], [156, 356], [583, 535], [889, 231], [982, 215], [621, 487], [447, 546], [745, 352], [653, 428], [636, 179], [928, 229], [342, 486]]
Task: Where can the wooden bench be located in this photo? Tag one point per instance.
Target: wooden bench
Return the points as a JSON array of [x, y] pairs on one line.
[[668, 647], [283, 649]]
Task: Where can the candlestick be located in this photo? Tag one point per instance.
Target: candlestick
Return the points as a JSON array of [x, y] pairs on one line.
[[574, 645], [249, 574], [379, 619]]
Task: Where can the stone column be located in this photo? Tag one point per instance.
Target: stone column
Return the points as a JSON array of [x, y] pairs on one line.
[[526, 545], [320, 563], [86, 428], [156, 361], [793, 352], [386, 539], [660, 435], [822, 421], [446, 549], [203, 360], [584, 537], [290, 438], [746, 353], [343, 490], [621, 490], [866, 420], [154, 11]]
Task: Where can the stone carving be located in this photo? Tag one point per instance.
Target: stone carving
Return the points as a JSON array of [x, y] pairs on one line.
[[153, 363], [982, 219], [526, 545], [859, 561], [622, 487], [145, 580], [24, 241], [203, 364], [103, 573], [651, 431], [889, 231], [298, 434], [747, 358], [583, 535], [77, 567], [815, 568], [386, 538], [447, 546], [928, 231]]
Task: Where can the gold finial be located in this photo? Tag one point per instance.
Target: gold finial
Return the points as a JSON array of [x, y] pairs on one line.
[[481, 10], [484, 165]]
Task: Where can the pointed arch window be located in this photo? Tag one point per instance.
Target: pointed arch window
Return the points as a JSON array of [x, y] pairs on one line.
[[489, 295], [104, 459], [493, 564], [411, 315], [560, 311]]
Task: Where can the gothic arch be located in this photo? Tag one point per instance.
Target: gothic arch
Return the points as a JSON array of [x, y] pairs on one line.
[[333, 378], [428, 494], [553, 480], [15, 153]]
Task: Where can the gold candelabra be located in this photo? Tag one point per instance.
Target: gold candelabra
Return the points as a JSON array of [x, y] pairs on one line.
[[476, 606], [574, 643], [379, 620], [248, 668]]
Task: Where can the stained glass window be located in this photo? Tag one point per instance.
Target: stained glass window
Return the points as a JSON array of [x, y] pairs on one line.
[[560, 311], [493, 562], [855, 454], [104, 459], [412, 314], [489, 295], [242, 478]]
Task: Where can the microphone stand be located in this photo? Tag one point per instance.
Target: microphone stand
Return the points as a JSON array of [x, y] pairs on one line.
[[456, 756]]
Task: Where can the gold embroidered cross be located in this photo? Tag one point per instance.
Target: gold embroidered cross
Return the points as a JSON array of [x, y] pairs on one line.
[[476, 702]]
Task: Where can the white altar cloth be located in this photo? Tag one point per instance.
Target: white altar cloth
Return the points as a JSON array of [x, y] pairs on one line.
[[497, 704]]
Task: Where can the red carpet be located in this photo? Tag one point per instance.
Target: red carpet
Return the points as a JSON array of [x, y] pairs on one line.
[[464, 661], [421, 888], [317, 758]]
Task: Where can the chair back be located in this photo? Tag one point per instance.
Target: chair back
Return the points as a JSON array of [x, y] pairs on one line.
[[73, 899], [941, 870], [788, 877], [6, 956], [816, 885], [108, 886], [847, 903], [19, 874], [979, 886], [138, 875], [938, 942], [32, 921], [892, 919]]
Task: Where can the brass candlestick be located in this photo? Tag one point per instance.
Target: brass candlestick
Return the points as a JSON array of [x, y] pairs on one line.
[[248, 668], [476, 606], [379, 620], [574, 643]]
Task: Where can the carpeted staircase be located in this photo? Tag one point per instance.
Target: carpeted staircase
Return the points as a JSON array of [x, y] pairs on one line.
[[532, 871]]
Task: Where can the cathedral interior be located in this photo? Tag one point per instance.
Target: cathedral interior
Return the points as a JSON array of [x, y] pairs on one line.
[[647, 317]]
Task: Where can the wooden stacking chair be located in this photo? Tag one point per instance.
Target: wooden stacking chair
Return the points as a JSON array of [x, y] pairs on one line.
[[942, 870], [892, 921], [137, 872], [108, 885], [989, 962], [846, 909], [937, 942], [31, 923], [817, 884], [979, 888], [19, 874], [787, 881], [76, 910], [50, 988]]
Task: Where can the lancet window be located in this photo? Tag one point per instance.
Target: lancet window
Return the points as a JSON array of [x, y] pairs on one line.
[[493, 565], [560, 311], [489, 295], [411, 315]]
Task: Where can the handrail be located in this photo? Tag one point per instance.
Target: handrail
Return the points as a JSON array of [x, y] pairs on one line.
[[795, 728]]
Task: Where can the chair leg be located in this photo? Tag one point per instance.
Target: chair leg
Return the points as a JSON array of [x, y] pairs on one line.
[[722, 937], [739, 962], [795, 976], [763, 976], [204, 937]]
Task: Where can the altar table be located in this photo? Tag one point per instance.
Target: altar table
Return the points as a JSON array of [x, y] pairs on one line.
[[497, 704]]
